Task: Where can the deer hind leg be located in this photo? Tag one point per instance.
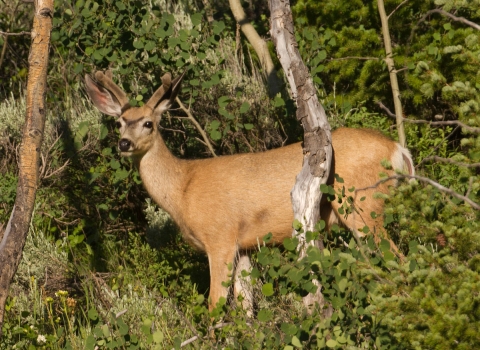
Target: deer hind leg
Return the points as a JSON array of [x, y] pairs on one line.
[[242, 285]]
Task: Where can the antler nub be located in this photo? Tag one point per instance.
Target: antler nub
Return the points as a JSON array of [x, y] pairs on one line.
[[107, 81], [157, 96]]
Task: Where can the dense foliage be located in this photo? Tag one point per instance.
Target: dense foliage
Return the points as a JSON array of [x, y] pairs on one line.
[[104, 267]]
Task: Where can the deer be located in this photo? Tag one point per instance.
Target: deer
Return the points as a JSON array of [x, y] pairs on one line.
[[225, 205]]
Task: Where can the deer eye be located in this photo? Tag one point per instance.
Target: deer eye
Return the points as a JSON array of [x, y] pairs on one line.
[[148, 125], [118, 125]]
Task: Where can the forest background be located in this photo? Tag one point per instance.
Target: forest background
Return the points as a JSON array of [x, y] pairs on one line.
[[103, 266]]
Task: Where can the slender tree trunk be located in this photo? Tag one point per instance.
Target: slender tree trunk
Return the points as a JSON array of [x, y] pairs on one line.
[[317, 148], [393, 73], [13, 240], [259, 45]]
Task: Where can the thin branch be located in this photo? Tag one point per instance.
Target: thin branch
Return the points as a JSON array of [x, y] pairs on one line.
[[445, 13], [121, 313], [401, 69], [396, 8], [55, 172], [445, 122], [14, 34], [197, 125], [426, 180], [354, 58], [385, 108], [192, 339], [451, 161], [453, 17]]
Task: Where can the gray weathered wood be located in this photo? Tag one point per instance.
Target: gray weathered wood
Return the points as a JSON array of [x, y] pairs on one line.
[[317, 148]]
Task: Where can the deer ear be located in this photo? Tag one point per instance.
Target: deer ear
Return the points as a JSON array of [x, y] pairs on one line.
[[169, 97], [102, 98]]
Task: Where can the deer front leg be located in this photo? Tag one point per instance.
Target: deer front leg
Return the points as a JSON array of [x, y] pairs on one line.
[[219, 261]]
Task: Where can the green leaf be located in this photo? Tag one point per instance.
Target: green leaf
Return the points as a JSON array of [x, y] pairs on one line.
[[265, 315], [218, 27], [244, 107], [248, 126], [158, 337], [297, 225], [138, 44], [290, 243], [122, 327], [196, 19], [90, 342], [93, 314], [322, 55], [331, 343], [267, 289], [296, 342], [78, 68], [215, 135], [150, 45], [278, 102], [289, 329], [325, 188], [105, 331], [342, 284], [224, 101], [385, 245]]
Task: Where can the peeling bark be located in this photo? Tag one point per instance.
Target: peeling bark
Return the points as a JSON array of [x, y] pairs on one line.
[[317, 148], [13, 239]]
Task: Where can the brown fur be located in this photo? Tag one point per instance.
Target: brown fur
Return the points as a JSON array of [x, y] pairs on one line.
[[226, 204]]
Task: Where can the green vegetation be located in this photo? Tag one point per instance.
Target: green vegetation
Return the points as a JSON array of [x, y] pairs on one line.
[[105, 267]]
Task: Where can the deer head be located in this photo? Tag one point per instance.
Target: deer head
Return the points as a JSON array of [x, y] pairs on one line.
[[138, 126]]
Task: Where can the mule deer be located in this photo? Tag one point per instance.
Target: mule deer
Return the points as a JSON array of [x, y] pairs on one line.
[[227, 204]]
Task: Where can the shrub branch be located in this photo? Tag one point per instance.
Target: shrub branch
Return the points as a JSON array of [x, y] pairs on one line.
[[435, 184], [197, 125]]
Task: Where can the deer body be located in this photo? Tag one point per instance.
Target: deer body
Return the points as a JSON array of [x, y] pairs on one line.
[[225, 205]]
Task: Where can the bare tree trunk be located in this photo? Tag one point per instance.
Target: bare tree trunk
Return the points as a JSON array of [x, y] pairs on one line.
[[13, 240], [393, 73], [259, 45], [317, 148]]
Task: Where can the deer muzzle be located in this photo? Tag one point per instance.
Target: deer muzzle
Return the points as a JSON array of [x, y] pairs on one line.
[[124, 145]]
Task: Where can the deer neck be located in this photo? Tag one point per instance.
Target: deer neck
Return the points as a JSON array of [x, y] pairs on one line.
[[163, 175]]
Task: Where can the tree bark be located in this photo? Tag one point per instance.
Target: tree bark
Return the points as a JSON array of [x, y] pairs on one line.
[[393, 73], [317, 148], [13, 240], [259, 45]]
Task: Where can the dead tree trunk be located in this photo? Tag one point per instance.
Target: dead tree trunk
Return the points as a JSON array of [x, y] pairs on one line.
[[13, 240], [317, 148]]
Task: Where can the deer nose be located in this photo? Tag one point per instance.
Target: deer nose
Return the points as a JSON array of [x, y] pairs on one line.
[[124, 145]]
